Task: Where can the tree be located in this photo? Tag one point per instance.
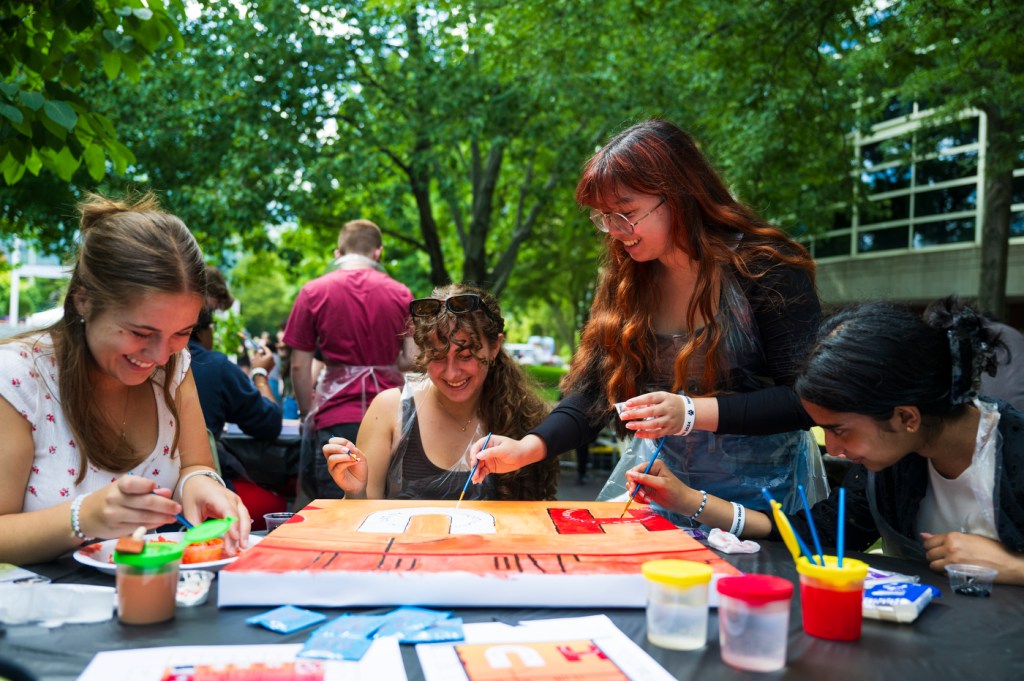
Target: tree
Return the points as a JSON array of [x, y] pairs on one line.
[[49, 47]]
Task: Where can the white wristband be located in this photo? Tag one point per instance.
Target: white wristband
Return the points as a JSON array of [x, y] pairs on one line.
[[739, 519], [258, 371], [208, 473], [689, 415]]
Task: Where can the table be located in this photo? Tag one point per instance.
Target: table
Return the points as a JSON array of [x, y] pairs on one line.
[[955, 637]]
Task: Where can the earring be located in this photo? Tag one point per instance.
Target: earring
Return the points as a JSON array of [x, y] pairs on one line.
[[81, 320]]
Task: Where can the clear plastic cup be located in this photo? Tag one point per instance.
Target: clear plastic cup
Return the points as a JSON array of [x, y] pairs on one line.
[[971, 580], [275, 520], [753, 621], [147, 583], [832, 597], [677, 603]]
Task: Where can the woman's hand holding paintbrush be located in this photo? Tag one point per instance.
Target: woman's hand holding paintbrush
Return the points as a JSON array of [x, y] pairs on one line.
[[660, 486], [347, 466]]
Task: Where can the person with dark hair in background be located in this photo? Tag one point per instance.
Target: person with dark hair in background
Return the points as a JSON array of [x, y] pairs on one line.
[[939, 471], [356, 318], [415, 442], [701, 317], [1008, 381], [102, 428]]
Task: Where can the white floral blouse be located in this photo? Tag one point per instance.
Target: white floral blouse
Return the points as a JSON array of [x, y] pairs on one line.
[[28, 381]]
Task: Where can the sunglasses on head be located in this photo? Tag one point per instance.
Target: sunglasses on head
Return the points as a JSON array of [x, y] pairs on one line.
[[460, 303]]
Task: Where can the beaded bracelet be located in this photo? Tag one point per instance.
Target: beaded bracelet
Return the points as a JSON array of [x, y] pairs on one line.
[[76, 521], [689, 415], [205, 472], [700, 509]]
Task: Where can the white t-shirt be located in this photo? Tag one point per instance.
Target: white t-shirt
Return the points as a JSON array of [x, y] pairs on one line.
[[28, 381], [965, 504]]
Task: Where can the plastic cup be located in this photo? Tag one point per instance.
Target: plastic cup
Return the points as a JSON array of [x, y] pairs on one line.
[[832, 597], [753, 621], [275, 520], [971, 580], [147, 583], [677, 603]]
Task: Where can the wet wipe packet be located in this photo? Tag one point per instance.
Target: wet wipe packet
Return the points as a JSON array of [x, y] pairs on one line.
[[286, 619], [344, 638], [444, 630], [409, 620], [897, 601]]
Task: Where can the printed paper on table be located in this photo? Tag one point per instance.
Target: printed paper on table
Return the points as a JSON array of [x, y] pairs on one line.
[[590, 648], [484, 553]]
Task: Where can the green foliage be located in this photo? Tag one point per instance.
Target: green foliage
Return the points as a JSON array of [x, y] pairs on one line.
[[50, 47], [266, 298], [227, 332], [547, 376]]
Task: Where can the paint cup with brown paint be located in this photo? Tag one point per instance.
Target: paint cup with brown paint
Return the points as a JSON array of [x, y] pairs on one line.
[[147, 583]]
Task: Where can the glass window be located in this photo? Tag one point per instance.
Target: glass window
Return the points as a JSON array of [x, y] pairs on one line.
[[943, 168], [943, 232], [892, 149], [892, 238], [884, 210], [1017, 193], [942, 137], [948, 200], [1017, 224], [842, 218], [894, 108], [897, 177], [832, 246]]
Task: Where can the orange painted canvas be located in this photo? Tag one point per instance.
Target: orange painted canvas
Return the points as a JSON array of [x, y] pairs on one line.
[[386, 552], [554, 661]]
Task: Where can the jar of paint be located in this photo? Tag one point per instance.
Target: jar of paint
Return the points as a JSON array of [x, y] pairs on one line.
[[677, 603]]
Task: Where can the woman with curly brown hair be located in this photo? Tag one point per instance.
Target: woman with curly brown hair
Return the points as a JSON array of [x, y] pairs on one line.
[[414, 442], [701, 316]]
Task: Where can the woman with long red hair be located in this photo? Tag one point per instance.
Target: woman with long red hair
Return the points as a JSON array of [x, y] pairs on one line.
[[702, 315]]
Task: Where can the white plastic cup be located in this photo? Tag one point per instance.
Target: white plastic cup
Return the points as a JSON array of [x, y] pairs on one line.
[[753, 621], [677, 603]]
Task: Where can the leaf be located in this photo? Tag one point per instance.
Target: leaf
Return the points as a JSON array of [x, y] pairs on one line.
[[131, 69], [33, 100], [111, 64], [143, 13], [62, 114], [9, 89], [11, 113], [66, 164], [95, 161], [12, 170]]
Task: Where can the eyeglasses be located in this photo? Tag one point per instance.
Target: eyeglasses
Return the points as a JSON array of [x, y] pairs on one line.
[[461, 303], [617, 222]]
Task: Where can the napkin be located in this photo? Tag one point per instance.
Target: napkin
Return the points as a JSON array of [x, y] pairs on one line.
[[730, 543], [52, 605]]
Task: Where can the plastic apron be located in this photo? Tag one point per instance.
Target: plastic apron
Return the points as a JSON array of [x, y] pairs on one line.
[[732, 467]]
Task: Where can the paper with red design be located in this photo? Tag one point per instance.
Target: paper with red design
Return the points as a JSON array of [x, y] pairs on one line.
[[484, 553]]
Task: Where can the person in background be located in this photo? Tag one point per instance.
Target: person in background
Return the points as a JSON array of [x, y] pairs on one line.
[[102, 428], [938, 471], [355, 317], [414, 443], [701, 317], [226, 393], [1007, 383]]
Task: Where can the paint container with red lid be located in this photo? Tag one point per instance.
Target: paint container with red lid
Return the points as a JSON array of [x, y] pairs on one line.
[[753, 621]]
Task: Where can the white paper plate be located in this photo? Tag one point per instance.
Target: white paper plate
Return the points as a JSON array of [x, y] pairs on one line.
[[99, 555]]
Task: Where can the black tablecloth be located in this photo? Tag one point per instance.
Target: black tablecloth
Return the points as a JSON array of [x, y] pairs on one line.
[[956, 637]]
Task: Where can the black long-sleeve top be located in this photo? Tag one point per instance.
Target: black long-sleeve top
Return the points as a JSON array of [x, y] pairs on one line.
[[787, 313]]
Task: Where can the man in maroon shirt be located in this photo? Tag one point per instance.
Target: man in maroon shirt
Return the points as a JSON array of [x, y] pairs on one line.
[[357, 317]]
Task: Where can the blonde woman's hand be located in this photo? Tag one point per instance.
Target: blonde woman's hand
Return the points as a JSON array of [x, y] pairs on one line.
[[347, 466], [119, 508], [203, 497]]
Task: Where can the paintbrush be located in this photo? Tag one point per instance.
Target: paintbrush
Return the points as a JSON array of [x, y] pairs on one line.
[[646, 471], [472, 472]]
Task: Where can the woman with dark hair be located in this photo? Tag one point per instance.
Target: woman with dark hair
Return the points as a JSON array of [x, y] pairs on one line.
[[100, 409], [701, 316], [414, 442], [939, 472]]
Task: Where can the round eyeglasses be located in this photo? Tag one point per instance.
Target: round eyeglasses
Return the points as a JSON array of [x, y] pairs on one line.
[[617, 222]]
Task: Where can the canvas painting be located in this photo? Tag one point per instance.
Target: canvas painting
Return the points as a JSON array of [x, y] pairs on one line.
[[484, 553]]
